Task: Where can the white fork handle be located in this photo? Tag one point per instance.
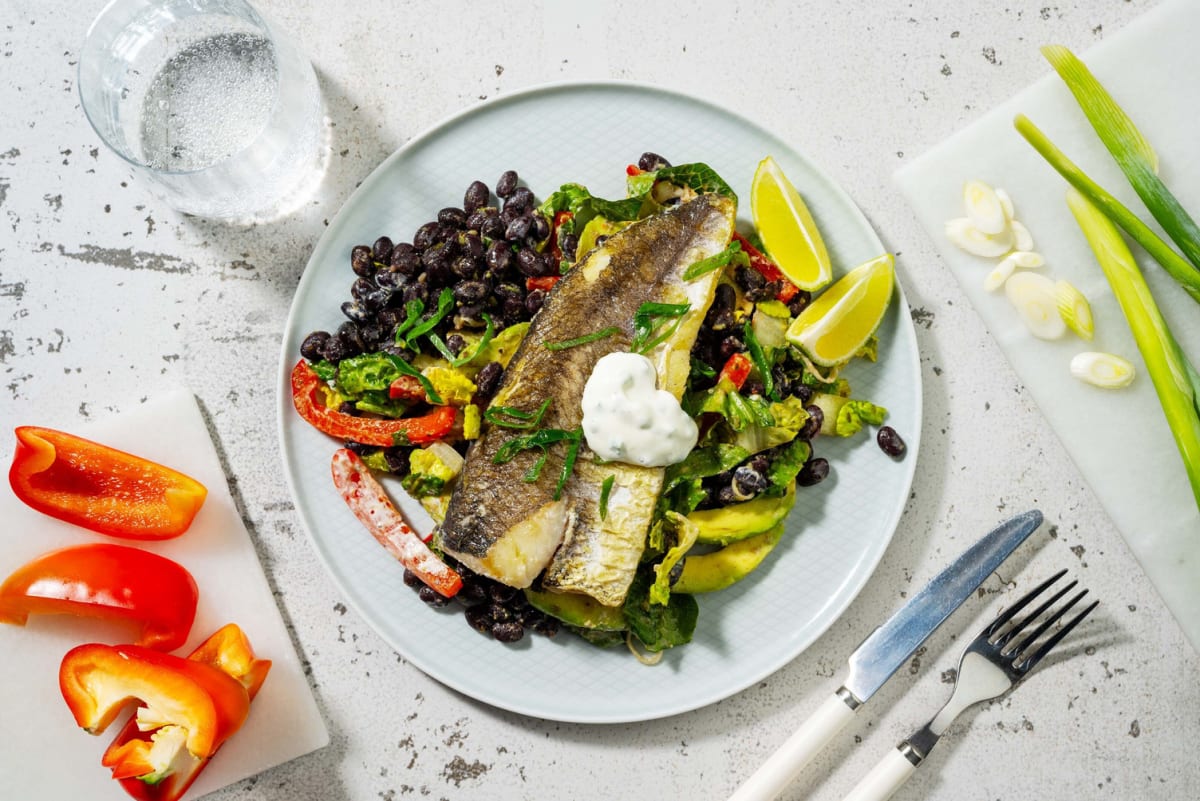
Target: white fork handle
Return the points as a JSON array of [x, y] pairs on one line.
[[884, 779], [797, 751]]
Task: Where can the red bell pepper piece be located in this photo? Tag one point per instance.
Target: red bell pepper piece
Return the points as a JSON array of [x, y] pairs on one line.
[[131, 754], [560, 217], [736, 370], [407, 387], [208, 705], [767, 268], [371, 505], [109, 581], [369, 431], [544, 282], [633, 169], [101, 488]]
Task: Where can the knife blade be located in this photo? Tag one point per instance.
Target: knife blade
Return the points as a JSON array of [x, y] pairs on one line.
[[885, 650]]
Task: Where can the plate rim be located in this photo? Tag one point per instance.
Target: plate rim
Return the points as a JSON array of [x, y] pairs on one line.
[[284, 406]]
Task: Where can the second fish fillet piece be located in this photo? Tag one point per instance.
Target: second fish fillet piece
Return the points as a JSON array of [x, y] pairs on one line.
[[509, 529]]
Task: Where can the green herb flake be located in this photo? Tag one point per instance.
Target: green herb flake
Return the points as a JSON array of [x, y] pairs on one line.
[[705, 266], [445, 305], [649, 318], [585, 339], [542, 439], [404, 368], [412, 313], [605, 491], [759, 358], [512, 417]]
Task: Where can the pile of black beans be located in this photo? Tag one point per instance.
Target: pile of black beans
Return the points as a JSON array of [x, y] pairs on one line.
[[491, 608], [484, 251]]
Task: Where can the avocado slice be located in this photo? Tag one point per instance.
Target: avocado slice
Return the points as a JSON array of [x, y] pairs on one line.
[[717, 570], [741, 520], [577, 610]]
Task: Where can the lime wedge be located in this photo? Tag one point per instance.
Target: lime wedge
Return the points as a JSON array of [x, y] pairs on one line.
[[787, 228], [835, 325]]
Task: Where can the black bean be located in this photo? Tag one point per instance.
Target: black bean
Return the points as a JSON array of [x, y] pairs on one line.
[[455, 343], [752, 386], [510, 213], [514, 311], [804, 393], [652, 161], [476, 196], [470, 293], [507, 184], [437, 267], [569, 245], [472, 592], [530, 263], [493, 227], [501, 593], [518, 229], [405, 259], [376, 300], [335, 350], [464, 267], [499, 256], [362, 287], [357, 447], [499, 613], [814, 472], [726, 496], [749, 279], [816, 418], [676, 572], [476, 219], [416, 291], [390, 279], [424, 237], [767, 291], [382, 249], [546, 626], [469, 315], [799, 302], [313, 345], [471, 244], [412, 580], [478, 618], [534, 301], [541, 227], [349, 334], [783, 384], [506, 290], [372, 334], [453, 218], [508, 632], [891, 442], [522, 198], [360, 260], [487, 380], [432, 597], [748, 481], [724, 299], [729, 346], [396, 460], [759, 462]]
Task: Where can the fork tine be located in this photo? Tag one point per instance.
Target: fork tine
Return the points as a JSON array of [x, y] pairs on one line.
[[1028, 641], [1007, 614], [1019, 626], [1029, 662]]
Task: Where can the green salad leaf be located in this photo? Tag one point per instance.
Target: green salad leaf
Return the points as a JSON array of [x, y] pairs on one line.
[[659, 626]]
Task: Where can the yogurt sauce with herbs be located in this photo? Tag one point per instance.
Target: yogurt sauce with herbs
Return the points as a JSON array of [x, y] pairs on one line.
[[626, 419]]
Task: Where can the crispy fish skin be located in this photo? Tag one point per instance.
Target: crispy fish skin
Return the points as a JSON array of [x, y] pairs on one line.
[[503, 527]]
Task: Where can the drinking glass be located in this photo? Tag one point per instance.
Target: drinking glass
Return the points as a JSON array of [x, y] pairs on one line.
[[219, 113]]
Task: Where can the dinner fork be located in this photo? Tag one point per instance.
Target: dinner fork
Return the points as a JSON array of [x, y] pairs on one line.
[[992, 664]]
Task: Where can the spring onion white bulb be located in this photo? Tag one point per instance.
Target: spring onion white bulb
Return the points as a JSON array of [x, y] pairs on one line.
[[1103, 370], [984, 209], [1033, 296]]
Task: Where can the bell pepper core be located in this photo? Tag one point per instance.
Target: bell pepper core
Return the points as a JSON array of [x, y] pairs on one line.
[[152, 766], [96, 680], [366, 430], [102, 488], [106, 580]]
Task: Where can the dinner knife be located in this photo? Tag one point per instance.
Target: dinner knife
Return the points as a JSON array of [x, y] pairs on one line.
[[886, 649]]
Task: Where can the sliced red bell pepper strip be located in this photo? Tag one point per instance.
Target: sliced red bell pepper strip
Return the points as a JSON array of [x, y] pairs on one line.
[[371, 505], [97, 680], [632, 169], [543, 282], [767, 268], [736, 370], [102, 488], [132, 755], [407, 387], [110, 581], [369, 431]]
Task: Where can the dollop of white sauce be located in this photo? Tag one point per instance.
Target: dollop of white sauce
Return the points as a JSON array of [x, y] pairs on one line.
[[626, 419]]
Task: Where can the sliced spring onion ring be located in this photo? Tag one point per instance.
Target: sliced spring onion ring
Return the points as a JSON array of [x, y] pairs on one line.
[[1074, 309], [1006, 203], [962, 233], [1034, 297], [996, 278], [984, 209], [1022, 239], [1104, 370], [1029, 259]]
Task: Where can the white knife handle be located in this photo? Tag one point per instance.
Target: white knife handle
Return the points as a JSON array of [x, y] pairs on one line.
[[884, 779], [785, 764]]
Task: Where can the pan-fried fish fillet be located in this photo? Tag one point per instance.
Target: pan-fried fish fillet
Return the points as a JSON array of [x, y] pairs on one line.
[[501, 526]]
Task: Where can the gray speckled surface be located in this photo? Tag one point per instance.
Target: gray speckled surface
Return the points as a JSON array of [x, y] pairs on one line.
[[107, 297]]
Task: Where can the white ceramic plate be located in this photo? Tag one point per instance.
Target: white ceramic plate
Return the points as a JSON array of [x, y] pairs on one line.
[[839, 529]]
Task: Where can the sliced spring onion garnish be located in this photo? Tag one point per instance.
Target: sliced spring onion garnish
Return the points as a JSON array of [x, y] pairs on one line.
[[412, 313], [1073, 307], [405, 368], [512, 417], [1034, 297], [605, 491], [1006, 203], [984, 209], [445, 305], [721, 259], [1022, 239], [649, 318], [466, 355], [996, 278], [1030, 259], [604, 333], [542, 439], [962, 233], [759, 359], [1104, 370]]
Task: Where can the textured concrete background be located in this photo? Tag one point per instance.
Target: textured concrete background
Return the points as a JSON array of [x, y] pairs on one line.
[[106, 297]]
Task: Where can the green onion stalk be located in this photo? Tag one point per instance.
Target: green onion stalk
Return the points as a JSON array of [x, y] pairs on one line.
[[1174, 378]]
